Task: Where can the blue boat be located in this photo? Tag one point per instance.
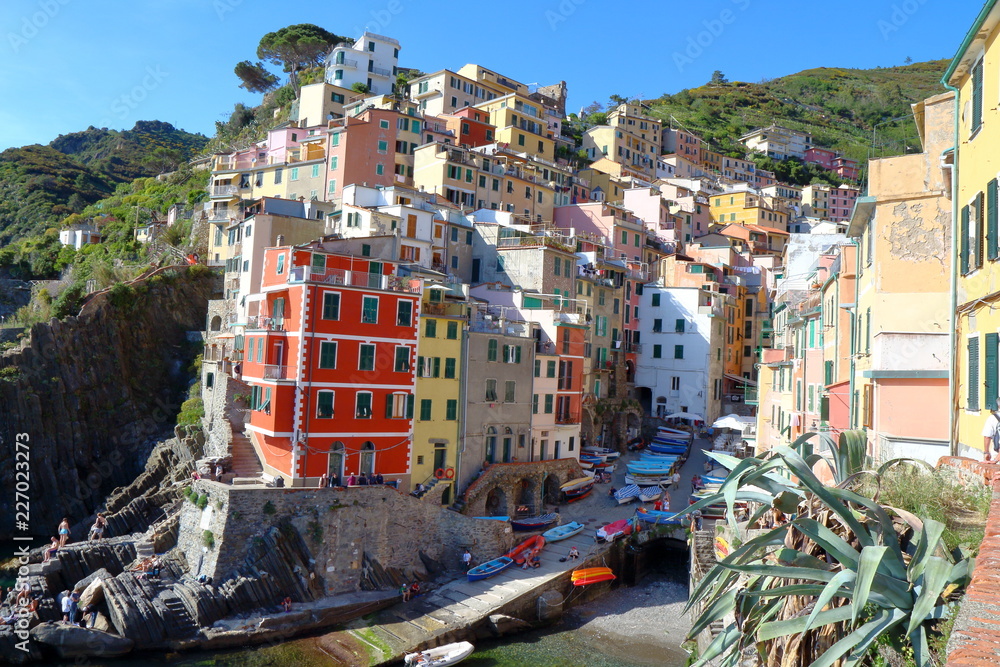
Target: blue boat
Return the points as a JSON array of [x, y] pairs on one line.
[[493, 518], [656, 456], [656, 516], [667, 449], [488, 569], [562, 532], [713, 480], [534, 522]]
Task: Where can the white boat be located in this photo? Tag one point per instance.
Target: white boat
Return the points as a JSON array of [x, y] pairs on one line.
[[650, 493], [627, 494], [449, 654], [646, 480]]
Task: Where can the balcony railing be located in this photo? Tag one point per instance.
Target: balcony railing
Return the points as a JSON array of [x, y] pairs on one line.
[[346, 62], [223, 190], [377, 281], [380, 71], [275, 372], [711, 311], [221, 215], [606, 365], [568, 417], [262, 323], [750, 395]]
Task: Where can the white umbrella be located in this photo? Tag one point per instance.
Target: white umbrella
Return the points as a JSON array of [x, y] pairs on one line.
[[685, 415], [733, 421]]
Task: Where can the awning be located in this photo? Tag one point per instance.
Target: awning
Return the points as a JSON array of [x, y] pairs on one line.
[[224, 335], [741, 380]]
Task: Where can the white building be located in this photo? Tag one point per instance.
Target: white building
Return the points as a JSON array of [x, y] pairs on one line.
[[680, 360], [778, 142], [79, 235], [372, 61]]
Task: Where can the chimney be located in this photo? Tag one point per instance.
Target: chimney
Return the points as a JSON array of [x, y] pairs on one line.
[[281, 240]]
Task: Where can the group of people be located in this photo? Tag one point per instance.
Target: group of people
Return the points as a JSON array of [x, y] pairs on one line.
[[409, 591], [148, 567], [372, 479], [58, 543]]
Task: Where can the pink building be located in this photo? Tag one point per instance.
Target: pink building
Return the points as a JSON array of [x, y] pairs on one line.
[[833, 161], [841, 203], [824, 157], [683, 143]]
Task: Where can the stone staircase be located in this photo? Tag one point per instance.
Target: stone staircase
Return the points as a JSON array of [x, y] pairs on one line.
[[244, 462], [703, 555], [177, 619]]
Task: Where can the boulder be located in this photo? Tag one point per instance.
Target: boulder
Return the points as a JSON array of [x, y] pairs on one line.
[[18, 651], [92, 594], [502, 624], [72, 641], [82, 585], [102, 623]]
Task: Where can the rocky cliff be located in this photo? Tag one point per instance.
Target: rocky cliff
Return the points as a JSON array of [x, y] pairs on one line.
[[89, 396]]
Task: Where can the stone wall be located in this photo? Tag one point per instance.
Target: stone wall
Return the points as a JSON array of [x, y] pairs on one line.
[[349, 532], [94, 393], [516, 484], [224, 415]]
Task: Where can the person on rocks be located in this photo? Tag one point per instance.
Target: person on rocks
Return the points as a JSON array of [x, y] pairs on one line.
[[63, 532], [52, 550], [218, 472], [287, 604], [404, 590], [414, 589], [97, 530], [65, 606]]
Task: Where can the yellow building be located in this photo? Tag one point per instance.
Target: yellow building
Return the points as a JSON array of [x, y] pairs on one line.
[[747, 208], [630, 139], [438, 411], [520, 125], [974, 74]]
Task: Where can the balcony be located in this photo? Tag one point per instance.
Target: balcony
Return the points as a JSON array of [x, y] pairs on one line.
[[605, 366], [634, 348], [275, 372], [262, 323], [545, 347], [568, 417], [379, 71], [376, 281], [225, 191], [711, 311], [750, 395], [345, 62], [220, 215]]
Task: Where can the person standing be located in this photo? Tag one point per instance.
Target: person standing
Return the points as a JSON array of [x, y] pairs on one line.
[[65, 606], [97, 530], [63, 532], [323, 480], [467, 560], [676, 480], [696, 515], [991, 435]]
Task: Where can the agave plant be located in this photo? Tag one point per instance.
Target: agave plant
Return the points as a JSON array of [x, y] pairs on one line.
[[826, 572]]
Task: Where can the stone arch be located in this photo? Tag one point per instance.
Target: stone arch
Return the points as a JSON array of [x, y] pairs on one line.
[[496, 502], [216, 324], [550, 489], [528, 492]]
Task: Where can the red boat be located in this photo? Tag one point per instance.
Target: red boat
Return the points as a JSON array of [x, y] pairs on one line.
[[528, 549]]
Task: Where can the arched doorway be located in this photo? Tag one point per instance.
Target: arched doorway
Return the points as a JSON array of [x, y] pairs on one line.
[[491, 444], [508, 440], [527, 493], [661, 406], [550, 489], [336, 464], [367, 459], [216, 323], [496, 502]]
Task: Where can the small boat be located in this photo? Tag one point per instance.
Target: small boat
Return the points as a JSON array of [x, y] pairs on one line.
[[591, 575], [442, 656], [713, 480], [650, 493], [644, 468], [490, 568], [602, 451], [614, 530], [657, 517], [578, 493], [666, 432], [526, 550], [576, 483], [534, 522], [627, 494], [658, 456], [591, 458], [493, 518], [662, 448], [562, 532]]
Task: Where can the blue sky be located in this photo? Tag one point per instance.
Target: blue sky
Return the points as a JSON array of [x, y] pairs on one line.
[[68, 64]]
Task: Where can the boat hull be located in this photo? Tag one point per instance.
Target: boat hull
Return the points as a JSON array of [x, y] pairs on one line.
[[534, 522], [489, 569], [563, 532]]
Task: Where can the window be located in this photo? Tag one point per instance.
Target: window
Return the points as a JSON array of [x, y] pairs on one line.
[[451, 410], [295, 173], [315, 171], [679, 325], [281, 264], [425, 409], [363, 405], [491, 390], [402, 363], [491, 349], [468, 238], [512, 354], [328, 354], [678, 351], [430, 328], [675, 383], [366, 357], [534, 404], [508, 391], [399, 406], [452, 333], [369, 310], [977, 97], [324, 404], [383, 146], [449, 368], [657, 351], [550, 369], [656, 300], [335, 138], [404, 313], [972, 402], [379, 169], [331, 306], [548, 404]]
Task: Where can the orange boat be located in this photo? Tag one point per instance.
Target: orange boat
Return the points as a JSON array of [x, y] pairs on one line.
[[592, 575], [528, 549]]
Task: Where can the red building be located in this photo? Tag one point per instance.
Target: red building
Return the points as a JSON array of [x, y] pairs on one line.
[[471, 126], [331, 363], [833, 161]]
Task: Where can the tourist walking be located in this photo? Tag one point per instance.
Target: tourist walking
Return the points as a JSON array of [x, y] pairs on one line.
[[696, 515], [676, 480], [65, 606], [63, 532]]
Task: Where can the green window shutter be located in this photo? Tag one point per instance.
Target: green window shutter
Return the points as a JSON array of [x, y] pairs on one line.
[[548, 404], [452, 330], [550, 369], [409, 406], [828, 374], [420, 367], [973, 394], [534, 404], [325, 404], [327, 355], [992, 247], [538, 368], [963, 236], [451, 410], [449, 367], [656, 300], [678, 351], [430, 329], [992, 340], [425, 409], [331, 306], [977, 96], [868, 330], [388, 406], [517, 354], [437, 367], [657, 351], [824, 408], [491, 350]]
